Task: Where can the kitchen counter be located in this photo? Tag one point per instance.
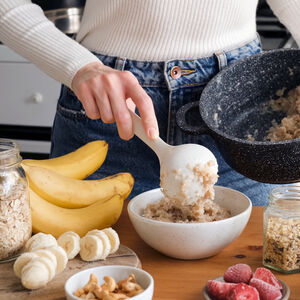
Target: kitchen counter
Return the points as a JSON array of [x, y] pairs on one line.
[[183, 280], [173, 279]]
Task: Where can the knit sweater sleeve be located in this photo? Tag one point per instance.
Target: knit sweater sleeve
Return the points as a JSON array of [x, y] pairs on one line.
[[288, 12], [25, 29]]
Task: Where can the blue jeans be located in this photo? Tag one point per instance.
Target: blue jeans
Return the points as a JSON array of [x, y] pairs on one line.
[[169, 91]]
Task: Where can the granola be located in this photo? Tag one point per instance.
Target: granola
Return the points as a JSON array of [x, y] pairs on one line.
[[282, 243], [15, 216]]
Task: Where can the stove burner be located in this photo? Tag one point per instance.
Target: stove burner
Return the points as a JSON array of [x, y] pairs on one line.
[[273, 34]]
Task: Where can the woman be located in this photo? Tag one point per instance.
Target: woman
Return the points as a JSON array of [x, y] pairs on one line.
[[159, 54]]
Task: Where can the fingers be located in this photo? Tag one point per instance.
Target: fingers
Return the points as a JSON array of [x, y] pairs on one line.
[[121, 114], [103, 92], [89, 104], [104, 107]]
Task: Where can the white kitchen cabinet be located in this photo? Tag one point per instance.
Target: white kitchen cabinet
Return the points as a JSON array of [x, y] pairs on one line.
[[28, 99], [27, 95]]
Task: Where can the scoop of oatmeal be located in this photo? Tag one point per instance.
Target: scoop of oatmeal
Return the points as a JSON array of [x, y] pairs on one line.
[[182, 208], [197, 184], [289, 127]]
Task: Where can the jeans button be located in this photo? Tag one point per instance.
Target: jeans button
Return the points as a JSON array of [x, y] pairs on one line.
[[175, 72]]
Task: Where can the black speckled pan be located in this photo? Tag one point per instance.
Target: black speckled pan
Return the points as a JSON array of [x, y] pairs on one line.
[[235, 105]]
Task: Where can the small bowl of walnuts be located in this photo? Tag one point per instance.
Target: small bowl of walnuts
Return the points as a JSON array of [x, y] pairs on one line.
[[114, 282]]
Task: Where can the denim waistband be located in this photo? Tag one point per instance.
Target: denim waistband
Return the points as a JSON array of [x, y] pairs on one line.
[[175, 73]]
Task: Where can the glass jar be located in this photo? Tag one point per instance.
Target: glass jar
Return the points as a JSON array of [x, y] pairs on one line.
[[281, 250], [15, 216]]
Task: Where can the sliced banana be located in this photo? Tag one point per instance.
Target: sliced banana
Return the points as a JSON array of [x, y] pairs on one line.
[[40, 241], [48, 254], [49, 264], [35, 275], [91, 248], [70, 242], [23, 260], [105, 241], [113, 238], [61, 258]]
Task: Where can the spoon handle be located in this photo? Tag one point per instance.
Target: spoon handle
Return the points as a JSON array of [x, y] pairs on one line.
[[158, 145]]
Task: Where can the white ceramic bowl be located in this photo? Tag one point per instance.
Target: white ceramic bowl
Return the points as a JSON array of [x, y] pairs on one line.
[[118, 272], [191, 240]]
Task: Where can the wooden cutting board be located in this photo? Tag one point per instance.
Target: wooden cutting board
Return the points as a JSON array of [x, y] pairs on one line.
[[12, 289]]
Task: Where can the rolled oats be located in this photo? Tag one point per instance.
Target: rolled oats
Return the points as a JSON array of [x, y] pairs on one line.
[[15, 215], [281, 249]]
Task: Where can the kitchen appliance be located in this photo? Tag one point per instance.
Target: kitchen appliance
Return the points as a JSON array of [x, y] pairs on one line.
[[273, 34], [233, 107], [65, 14]]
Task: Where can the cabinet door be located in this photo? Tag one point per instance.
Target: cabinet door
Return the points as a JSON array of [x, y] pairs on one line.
[[27, 95]]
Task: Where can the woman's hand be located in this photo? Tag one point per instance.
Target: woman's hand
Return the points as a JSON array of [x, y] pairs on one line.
[[103, 92]]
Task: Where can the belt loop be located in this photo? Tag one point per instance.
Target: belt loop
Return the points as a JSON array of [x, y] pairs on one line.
[[222, 60], [120, 63]]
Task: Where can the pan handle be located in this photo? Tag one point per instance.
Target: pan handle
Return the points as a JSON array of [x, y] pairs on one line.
[[190, 129]]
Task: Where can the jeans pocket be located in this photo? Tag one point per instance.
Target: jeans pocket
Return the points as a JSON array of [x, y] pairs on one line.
[[69, 106]]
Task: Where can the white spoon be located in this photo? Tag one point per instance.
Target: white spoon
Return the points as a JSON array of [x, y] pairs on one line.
[[183, 168]]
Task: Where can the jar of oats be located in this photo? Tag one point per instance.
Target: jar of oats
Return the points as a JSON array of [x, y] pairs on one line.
[[281, 250], [15, 216]]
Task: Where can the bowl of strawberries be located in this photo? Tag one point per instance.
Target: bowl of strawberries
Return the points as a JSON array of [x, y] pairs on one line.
[[240, 282]]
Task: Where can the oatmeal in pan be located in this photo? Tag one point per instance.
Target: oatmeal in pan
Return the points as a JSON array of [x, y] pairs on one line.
[[289, 127]]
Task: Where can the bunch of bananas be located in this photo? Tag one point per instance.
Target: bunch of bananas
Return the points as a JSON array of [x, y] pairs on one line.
[[62, 201]]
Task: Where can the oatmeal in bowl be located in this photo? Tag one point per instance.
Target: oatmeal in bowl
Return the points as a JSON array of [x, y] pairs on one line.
[[204, 211], [190, 239]]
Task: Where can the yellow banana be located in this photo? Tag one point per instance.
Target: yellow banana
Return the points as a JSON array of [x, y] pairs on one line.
[[75, 193], [49, 218], [78, 164]]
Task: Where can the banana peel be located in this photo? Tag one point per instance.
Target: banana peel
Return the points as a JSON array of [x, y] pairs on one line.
[[75, 193], [78, 164], [55, 220]]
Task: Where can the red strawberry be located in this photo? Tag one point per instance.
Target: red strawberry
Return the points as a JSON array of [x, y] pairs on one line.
[[266, 291], [243, 291], [219, 290], [238, 273], [267, 276]]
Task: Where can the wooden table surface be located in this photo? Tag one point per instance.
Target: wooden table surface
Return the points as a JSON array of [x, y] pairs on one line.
[[183, 280]]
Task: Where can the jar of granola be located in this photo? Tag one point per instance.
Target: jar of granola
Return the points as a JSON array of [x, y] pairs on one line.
[[15, 216], [281, 250]]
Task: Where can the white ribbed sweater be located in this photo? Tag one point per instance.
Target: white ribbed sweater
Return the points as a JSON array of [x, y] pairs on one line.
[[136, 29]]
